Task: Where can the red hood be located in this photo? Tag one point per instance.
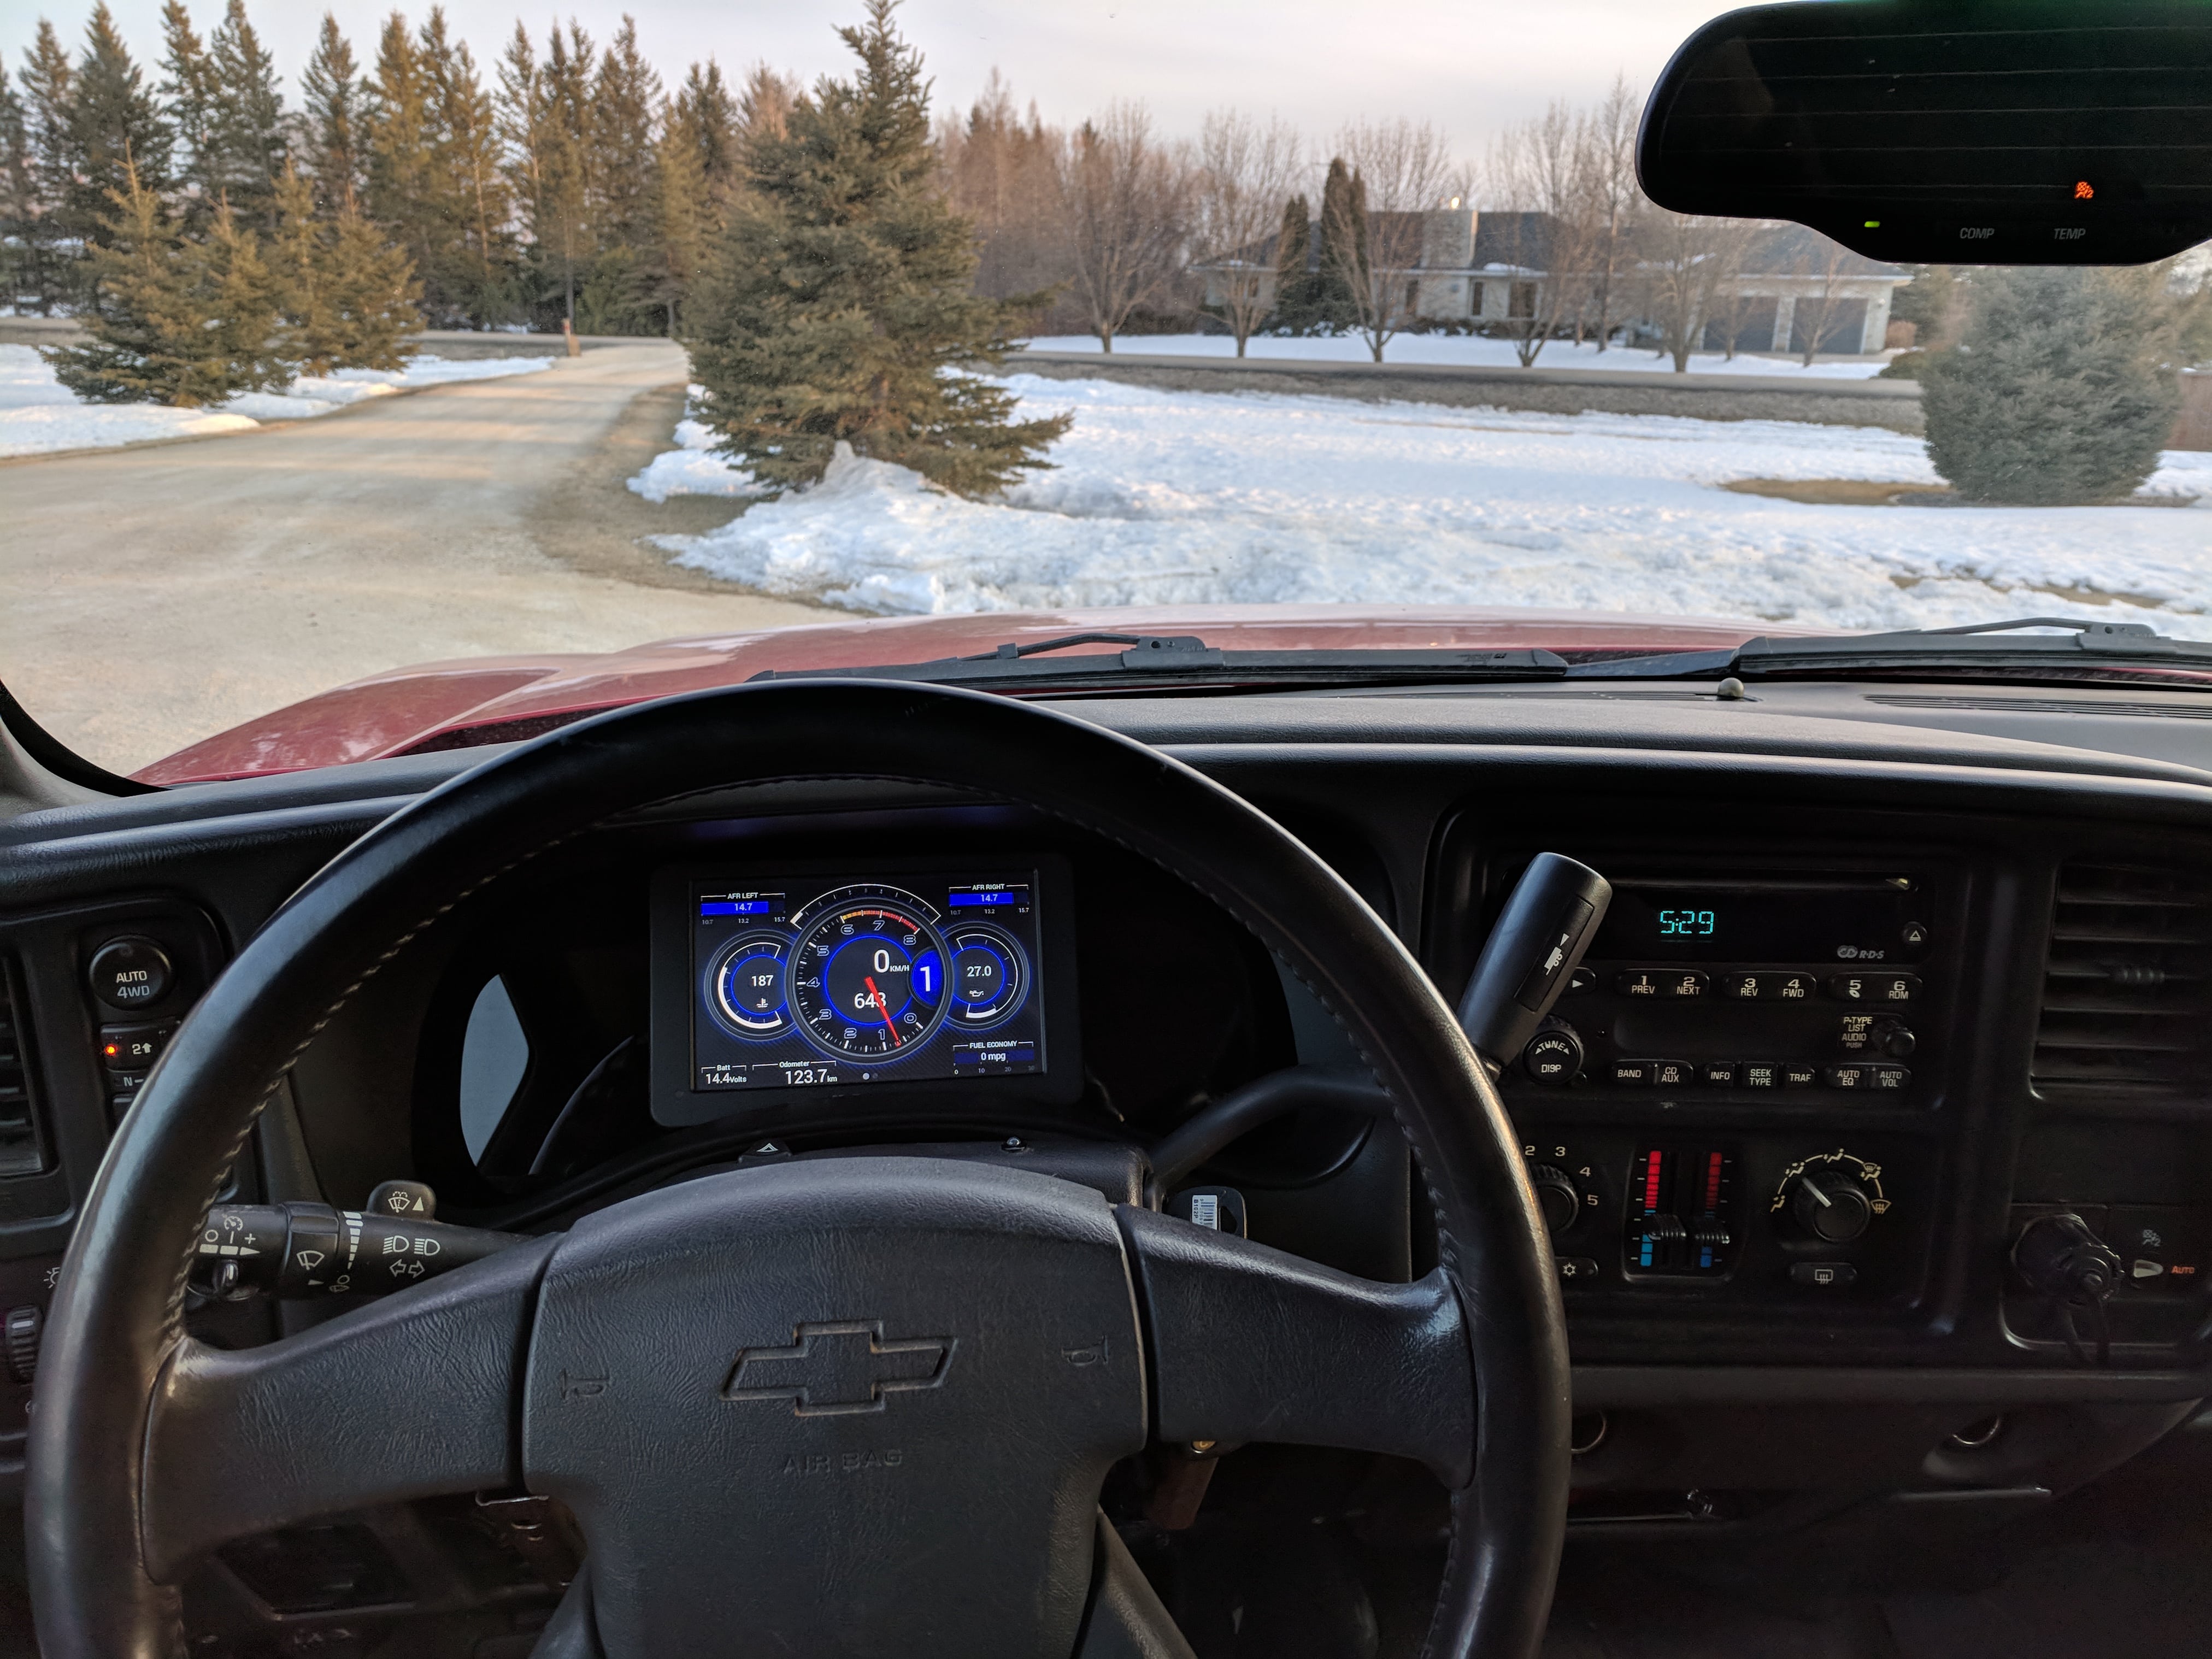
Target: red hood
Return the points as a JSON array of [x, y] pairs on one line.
[[456, 705]]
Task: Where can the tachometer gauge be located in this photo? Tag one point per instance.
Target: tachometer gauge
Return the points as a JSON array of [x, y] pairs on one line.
[[867, 974], [745, 985]]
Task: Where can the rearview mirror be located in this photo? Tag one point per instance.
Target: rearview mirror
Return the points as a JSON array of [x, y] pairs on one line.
[[2017, 132]]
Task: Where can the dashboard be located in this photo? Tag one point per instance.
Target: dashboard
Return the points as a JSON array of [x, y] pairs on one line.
[[1880, 984]]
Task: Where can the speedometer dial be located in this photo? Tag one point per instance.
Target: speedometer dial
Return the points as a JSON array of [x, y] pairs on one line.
[[867, 974]]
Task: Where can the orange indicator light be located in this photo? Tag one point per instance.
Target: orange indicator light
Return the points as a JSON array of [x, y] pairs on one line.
[[2083, 191]]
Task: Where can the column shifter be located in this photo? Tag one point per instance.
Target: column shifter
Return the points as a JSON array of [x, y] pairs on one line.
[[1547, 923]]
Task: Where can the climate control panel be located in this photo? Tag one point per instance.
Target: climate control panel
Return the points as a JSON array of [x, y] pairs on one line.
[[1756, 1218]]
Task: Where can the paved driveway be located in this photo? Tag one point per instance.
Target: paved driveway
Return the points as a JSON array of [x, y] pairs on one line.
[[150, 597]]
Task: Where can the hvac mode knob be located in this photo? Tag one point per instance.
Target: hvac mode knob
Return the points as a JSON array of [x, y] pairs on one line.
[[1831, 1207]]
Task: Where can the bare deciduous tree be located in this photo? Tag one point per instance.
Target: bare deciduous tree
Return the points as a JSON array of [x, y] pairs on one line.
[[1377, 232], [1547, 233], [1684, 262], [1246, 170], [1824, 263], [1002, 170], [1125, 207], [1609, 175]]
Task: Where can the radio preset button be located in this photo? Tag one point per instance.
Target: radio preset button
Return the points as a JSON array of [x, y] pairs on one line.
[[1891, 988], [1767, 988], [1636, 985], [1684, 985]]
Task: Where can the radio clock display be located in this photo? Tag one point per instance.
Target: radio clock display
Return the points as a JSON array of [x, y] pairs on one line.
[[1686, 924]]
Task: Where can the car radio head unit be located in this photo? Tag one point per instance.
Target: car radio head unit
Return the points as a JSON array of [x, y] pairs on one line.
[[1872, 920], [802, 980]]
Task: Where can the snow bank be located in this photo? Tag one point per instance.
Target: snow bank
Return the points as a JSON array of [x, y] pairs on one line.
[[691, 470], [1162, 497], [38, 413], [1454, 351]]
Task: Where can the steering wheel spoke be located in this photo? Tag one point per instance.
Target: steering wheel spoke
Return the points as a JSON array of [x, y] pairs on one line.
[[1251, 1344], [409, 1397]]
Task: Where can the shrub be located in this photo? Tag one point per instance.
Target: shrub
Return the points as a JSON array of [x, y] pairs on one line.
[[2061, 391]]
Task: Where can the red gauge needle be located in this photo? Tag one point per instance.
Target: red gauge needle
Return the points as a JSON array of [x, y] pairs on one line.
[[870, 983]]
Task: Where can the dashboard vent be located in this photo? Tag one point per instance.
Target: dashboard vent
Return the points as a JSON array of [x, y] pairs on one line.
[[2127, 990], [19, 1150]]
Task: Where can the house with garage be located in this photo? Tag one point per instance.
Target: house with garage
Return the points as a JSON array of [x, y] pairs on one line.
[[1788, 286]]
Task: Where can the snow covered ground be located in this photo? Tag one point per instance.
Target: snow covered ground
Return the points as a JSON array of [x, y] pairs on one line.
[[1454, 351], [1167, 497], [38, 413]]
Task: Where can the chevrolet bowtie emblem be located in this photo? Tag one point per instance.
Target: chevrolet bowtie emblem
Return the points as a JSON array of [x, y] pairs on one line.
[[837, 1366]]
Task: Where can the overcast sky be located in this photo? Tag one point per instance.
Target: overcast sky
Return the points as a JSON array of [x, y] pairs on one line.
[[1471, 68]]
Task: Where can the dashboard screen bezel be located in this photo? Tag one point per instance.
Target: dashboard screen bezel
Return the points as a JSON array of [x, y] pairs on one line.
[[677, 1103]]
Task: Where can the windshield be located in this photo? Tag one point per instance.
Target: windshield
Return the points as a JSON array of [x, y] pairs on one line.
[[379, 382]]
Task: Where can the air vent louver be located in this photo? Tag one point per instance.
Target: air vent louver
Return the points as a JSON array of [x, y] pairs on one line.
[[2127, 990], [21, 1152]]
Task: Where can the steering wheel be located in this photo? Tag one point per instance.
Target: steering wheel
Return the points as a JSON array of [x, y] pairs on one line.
[[851, 1406]]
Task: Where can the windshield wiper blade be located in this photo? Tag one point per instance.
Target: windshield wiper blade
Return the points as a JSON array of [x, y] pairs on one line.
[[1996, 647], [1186, 661]]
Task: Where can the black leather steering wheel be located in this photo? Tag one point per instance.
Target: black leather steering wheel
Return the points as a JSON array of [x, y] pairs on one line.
[[850, 1405]]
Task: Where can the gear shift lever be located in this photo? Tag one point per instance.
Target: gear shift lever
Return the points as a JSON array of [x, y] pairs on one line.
[[1547, 923]]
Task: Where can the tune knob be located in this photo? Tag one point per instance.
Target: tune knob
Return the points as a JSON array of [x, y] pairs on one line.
[[1832, 1206], [1554, 1054], [1556, 1196]]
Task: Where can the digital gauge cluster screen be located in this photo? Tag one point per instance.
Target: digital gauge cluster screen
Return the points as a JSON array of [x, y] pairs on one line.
[[855, 978]]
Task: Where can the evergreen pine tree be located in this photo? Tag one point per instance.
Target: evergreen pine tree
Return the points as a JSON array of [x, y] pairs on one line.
[[115, 132], [191, 94], [1298, 288], [19, 202], [331, 89], [683, 207], [49, 93], [842, 292], [179, 320], [625, 96], [471, 275], [709, 115], [561, 160], [2061, 389], [247, 132], [400, 192], [350, 298], [1343, 246]]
